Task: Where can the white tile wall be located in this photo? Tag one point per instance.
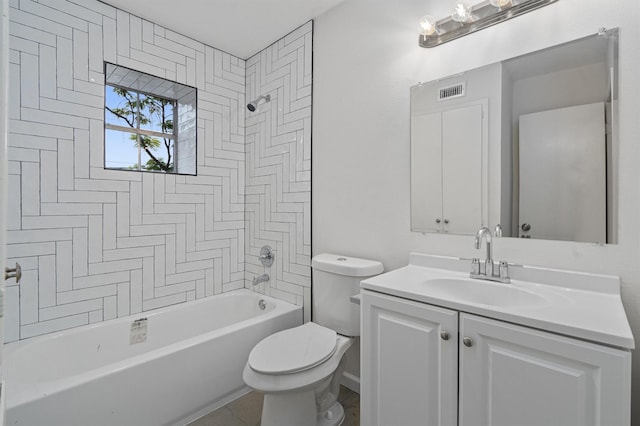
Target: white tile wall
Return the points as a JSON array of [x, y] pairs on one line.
[[96, 244], [278, 166]]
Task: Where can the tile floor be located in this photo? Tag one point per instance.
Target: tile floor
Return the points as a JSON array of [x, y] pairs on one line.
[[246, 411]]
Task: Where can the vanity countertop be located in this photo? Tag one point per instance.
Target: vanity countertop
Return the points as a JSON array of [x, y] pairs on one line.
[[575, 304]]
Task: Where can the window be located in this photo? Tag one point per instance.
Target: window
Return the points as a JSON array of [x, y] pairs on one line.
[[150, 123]]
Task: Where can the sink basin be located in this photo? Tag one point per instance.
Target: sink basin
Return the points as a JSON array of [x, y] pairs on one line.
[[483, 292], [562, 302]]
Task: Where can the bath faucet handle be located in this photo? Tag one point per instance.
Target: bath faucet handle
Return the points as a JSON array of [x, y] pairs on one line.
[[266, 256]]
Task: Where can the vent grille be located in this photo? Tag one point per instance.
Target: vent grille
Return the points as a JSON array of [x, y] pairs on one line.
[[455, 91]]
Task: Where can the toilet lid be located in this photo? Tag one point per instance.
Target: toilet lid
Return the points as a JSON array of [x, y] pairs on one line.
[[293, 350]]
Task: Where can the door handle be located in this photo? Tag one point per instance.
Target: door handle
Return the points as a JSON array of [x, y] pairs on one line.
[[13, 273]]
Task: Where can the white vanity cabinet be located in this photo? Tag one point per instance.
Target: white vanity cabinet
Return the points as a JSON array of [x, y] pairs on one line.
[[505, 375], [513, 375], [409, 370]]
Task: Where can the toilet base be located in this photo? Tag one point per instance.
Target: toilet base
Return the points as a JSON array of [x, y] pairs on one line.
[[306, 398], [334, 416], [298, 409]]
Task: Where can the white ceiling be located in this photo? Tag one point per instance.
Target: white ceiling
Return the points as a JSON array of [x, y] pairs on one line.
[[239, 27]]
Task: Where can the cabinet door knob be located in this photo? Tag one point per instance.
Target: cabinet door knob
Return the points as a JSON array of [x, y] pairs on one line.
[[446, 221], [444, 335], [437, 220], [467, 342]]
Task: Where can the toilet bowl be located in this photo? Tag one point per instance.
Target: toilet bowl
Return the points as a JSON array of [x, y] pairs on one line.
[[299, 369], [299, 384]]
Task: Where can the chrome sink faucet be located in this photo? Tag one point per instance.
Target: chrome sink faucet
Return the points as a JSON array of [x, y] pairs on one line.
[[488, 263], [487, 270]]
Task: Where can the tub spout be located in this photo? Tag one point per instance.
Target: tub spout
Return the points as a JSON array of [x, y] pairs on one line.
[[260, 279]]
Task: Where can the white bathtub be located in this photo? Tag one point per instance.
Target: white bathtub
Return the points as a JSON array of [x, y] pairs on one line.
[[191, 363]]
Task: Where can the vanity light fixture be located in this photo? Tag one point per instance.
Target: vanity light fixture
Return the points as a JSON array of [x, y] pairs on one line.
[[466, 19], [462, 13], [501, 3], [428, 25]]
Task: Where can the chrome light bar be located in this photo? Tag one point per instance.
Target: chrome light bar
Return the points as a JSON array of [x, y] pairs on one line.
[[483, 15]]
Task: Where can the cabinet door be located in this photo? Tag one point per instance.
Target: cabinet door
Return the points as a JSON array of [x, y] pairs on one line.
[[426, 172], [462, 140], [516, 376], [409, 372]]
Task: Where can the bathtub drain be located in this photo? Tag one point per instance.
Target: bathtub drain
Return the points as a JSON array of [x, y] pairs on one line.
[[262, 304]]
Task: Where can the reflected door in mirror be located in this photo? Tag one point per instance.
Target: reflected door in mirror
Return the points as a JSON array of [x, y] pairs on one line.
[[563, 174]]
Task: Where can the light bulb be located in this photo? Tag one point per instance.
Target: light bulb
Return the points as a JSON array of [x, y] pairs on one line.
[[461, 12], [501, 3], [427, 25]]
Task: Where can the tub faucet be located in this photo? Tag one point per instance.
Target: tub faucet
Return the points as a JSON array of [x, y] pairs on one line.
[[260, 279], [489, 272]]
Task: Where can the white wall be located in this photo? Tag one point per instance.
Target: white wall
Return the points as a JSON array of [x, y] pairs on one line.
[[4, 67], [98, 244], [560, 89], [367, 57], [278, 167]]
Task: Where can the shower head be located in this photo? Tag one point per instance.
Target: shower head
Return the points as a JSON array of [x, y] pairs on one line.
[[251, 106]]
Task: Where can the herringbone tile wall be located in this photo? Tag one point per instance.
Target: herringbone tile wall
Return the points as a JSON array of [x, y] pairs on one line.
[[97, 244], [278, 164]]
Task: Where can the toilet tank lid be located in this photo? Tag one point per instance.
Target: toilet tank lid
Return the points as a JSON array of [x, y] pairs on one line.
[[346, 265]]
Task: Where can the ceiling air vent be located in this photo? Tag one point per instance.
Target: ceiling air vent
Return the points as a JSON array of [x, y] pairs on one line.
[[455, 91]]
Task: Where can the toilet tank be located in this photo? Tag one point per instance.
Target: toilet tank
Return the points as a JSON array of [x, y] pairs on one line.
[[335, 279]]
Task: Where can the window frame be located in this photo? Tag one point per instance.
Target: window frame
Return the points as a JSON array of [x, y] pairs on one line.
[[138, 131]]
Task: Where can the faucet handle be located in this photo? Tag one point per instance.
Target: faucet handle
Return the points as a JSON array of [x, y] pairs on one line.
[[266, 256], [504, 271], [475, 266]]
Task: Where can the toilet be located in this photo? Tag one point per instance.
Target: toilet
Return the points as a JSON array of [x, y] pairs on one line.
[[299, 369]]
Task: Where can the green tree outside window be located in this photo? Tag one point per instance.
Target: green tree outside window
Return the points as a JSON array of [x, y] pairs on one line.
[[149, 122]]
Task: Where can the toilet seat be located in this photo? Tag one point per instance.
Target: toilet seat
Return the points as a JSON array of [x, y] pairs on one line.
[[294, 350], [297, 382]]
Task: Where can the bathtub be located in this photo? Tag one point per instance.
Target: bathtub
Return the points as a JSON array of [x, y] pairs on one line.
[[190, 364]]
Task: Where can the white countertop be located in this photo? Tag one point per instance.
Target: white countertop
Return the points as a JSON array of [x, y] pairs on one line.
[[580, 305]]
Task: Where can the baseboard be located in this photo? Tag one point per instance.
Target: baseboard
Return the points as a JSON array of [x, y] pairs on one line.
[[214, 406], [351, 382]]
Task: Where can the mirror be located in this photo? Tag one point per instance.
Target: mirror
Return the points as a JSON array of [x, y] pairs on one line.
[[529, 143]]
